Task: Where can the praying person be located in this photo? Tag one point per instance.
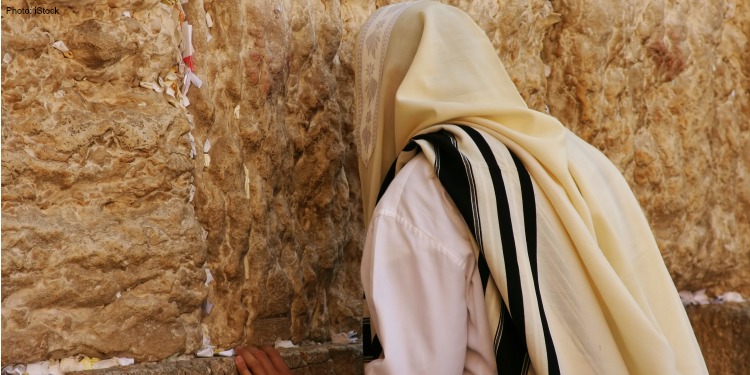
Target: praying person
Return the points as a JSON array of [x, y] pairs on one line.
[[497, 240]]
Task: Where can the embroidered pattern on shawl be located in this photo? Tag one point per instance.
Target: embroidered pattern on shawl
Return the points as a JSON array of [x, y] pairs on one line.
[[374, 35]]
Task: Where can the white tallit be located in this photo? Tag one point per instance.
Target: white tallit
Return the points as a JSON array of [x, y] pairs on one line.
[[422, 65]]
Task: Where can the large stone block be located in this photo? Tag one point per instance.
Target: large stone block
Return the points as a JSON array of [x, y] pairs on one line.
[[722, 332], [101, 249], [108, 220], [279, 198]]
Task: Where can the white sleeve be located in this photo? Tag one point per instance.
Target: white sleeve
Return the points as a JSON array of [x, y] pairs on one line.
[[416, 293]]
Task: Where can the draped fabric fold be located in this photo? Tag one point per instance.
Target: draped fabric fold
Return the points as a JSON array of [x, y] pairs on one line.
[[423, 65], [466, 165]]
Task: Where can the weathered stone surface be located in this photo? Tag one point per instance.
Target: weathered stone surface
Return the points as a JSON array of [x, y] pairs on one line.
[[347, 359], [101, 251], [322, 359], [214, 366], [722, 332], [97, 180], [96, 172], [280, 198]]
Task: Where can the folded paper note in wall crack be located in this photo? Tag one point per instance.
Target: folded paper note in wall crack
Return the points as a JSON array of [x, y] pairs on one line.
[[205, 353], [209, 352], [206, 156], [344, 338], [107, 363], [152, 86], [187, 40], [207, 348], [194, 79], [700, 298], [697, 298], [206, 307], [286, 344], [192, 145], [730, 297], [226, 353], [209, 276], [60, 46]]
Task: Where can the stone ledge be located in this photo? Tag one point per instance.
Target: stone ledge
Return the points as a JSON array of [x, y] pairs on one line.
[[722, 332], [326, 359]]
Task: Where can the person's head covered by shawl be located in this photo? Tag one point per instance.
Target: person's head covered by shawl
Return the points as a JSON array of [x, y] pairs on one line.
[[434, 65]]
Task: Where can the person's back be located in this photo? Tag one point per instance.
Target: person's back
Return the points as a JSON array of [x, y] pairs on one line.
[[572, 279]]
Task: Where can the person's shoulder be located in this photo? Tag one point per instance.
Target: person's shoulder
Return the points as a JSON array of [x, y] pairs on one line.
[[415, 184], [416, 198]]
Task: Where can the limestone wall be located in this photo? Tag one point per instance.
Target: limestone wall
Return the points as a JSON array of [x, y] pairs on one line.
[[108, 222], [95, 180], [663, 88]]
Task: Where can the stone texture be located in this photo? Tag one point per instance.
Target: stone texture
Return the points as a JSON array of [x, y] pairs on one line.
[[95, 180], [97, 177], [279, 199], [722, 332], [214, 366], [306, 360]]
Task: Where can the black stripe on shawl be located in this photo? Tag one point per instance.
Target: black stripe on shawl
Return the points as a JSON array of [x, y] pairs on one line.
[[510, 352], [456, 177], [529, 214], [529, 217], [513, 277], [391, 174], [512, 343]]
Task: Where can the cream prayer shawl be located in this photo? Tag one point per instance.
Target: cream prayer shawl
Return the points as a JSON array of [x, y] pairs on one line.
[[421, 66]]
